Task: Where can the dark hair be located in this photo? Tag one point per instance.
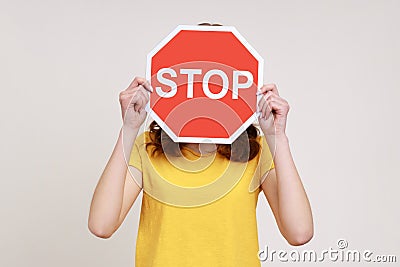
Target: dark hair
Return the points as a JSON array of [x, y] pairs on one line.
[[246, 146], [209, 24]]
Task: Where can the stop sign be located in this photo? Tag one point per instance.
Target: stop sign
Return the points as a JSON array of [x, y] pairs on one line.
[[205, 81]]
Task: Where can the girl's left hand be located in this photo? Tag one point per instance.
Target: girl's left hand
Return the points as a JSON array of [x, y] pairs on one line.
[[272, 103]]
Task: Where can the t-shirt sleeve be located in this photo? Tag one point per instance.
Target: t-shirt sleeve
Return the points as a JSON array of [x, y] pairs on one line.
[[266, 159], [135, 159]]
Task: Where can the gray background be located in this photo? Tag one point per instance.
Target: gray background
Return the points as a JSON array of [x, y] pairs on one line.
[[63, 64]]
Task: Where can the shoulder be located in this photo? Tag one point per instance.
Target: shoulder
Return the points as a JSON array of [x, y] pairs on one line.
[[262, 141], [143, 138], [263, 144], [265, 157]]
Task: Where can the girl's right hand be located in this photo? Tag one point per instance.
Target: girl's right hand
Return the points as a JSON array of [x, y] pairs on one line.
[[133, 100]]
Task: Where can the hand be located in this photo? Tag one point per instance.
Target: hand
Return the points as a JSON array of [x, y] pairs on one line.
[[272, 103], [133, 100]]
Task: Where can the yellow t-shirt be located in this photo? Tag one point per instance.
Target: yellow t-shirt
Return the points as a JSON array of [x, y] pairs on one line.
[[198, 210]]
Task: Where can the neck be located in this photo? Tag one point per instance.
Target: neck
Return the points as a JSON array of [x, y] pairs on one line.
[[202, 149]]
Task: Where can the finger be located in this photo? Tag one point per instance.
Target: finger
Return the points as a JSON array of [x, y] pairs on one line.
[[126, 96], [140, 81], [137, 105], [136, 81], [273, 103], [141, 102], [279, 107], [144, 91], [134, 102], [146, 85], [278, 98], [129, 92], [266, 95], [260, 104], [142, 110], [145, 96], [266, 109], [263, 99], [122, 94], [268, 87], [273, 97]]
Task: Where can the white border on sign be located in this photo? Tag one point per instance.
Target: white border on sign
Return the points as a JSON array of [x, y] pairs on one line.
[[246, 124]]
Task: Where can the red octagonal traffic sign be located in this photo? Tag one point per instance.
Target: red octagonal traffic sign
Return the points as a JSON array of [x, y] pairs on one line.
[[205, 81]]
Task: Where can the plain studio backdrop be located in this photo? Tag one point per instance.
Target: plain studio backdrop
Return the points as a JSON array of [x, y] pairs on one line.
[[63, 64]]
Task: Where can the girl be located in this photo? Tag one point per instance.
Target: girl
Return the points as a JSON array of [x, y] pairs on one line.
[[207, 227]]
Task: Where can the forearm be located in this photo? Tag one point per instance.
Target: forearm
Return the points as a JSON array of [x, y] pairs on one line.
[[108, 196], [293, 206]]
